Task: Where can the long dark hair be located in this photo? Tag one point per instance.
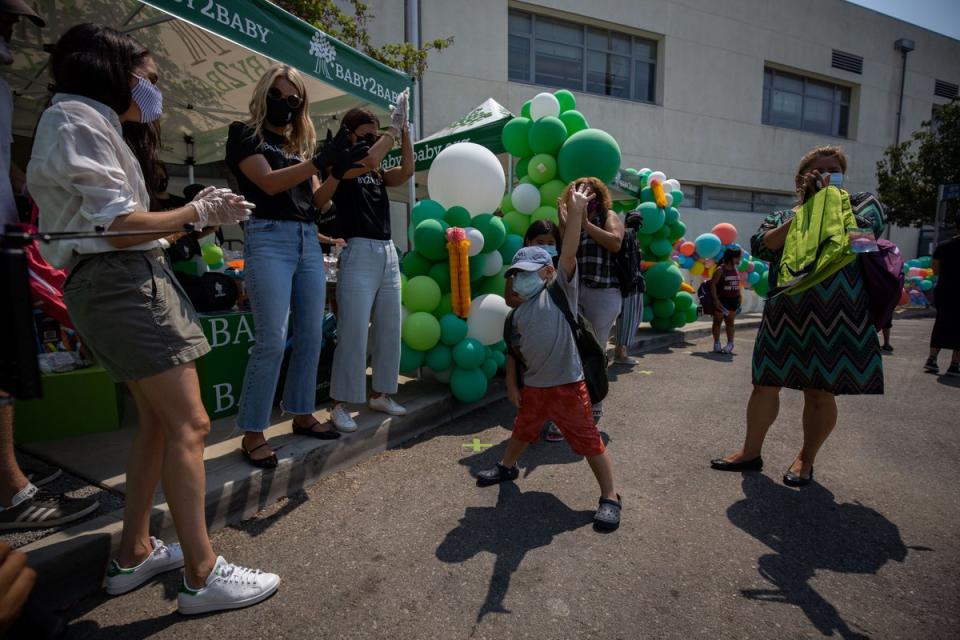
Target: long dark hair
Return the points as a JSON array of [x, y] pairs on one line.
[[357, 117], [542, 227]]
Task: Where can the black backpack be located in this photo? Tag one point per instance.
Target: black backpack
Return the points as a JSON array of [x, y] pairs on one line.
[[593, 356], [626, 266]]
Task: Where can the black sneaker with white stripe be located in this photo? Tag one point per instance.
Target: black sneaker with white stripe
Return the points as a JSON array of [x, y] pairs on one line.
[[45, 510]]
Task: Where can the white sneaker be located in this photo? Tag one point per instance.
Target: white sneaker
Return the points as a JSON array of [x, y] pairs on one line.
[[729, 348], [386, 404], [228, 587], [163, 558], [717, 348], [342, 420]]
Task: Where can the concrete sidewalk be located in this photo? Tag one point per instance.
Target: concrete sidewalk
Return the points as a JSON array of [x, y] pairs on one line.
[[71, 562]]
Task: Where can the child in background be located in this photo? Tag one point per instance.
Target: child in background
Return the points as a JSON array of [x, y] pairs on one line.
[[554, 386], [725, 288]]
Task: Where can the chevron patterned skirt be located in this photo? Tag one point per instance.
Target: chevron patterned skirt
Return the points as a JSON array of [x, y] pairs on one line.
[[821, 338]]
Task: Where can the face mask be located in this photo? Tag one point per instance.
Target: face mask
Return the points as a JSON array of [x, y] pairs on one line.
[[836, 180], [148, 98], [527, 284], [550, 249], [279, 113]]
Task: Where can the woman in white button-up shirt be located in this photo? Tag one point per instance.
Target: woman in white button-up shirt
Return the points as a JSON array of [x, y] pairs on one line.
[[127, 305]]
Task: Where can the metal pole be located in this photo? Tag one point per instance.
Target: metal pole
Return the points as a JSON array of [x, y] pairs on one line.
[[938, 218], [411, 28], [903, 78]]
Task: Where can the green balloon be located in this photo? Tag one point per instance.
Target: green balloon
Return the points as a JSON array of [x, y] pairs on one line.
[[677, 230], [499, 357], [517, 223], [494, 284], [403, 284], [511, 244], [415, 264], [425, 210], [525, 180], [574, 121], [469, 353], [506, 203], [661, 324], [452, 329], [651, 217], [476, 267], [457, 217], [590, 152], [646, 195], [440, 273], [212, 254], [515, 135], [521, 168], [566, 100], [678, 319], [683, 300], [761, 287], [421, 331], [492, 229], [489, 368], [410, 359], [672, 215], [661, 247], [445, 306], [430, 239], [525, 110], [663, 233], [663, 280], [550, 192], [743, 266], [439, 358], [691, 314], [547, 135], [663, 308], [545, 213], [468, 385], [647, 314], [677, 197], [542, 168], [423, 294]]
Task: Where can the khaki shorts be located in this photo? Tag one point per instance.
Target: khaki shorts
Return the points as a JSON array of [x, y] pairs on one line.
[[131, 312]]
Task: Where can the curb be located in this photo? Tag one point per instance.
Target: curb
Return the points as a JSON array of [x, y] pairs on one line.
[[70, 563]]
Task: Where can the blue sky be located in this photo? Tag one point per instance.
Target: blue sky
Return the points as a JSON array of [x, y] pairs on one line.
[[942, 16]]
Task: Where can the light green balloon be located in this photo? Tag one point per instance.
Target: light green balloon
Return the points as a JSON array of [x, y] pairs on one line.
[[516, 222], [545, 213], [468, 385], [421, 331], [423, 294], [566, 99], [439, 358], [515, 136], [506, 203], [542, 168], [550, 191], [574, 121]]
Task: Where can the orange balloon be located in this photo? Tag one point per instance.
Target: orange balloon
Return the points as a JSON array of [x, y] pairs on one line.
[[685, 286], [726, 232], [687, 248]]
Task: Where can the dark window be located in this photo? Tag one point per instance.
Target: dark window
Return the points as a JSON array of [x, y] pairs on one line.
[[945, 89], [563, 54], [847, 61], [796, 102]]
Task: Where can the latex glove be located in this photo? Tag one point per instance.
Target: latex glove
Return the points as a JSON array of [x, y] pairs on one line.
[[348, 159], [220, 206], [326, 156], [398, 117]]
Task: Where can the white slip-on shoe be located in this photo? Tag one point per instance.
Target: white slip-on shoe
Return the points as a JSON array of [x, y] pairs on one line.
[[342, 420], [229, 586], [386, 404], [163, 558], [728, 349]]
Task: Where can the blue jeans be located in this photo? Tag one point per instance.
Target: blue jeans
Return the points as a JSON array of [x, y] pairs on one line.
[[368, 293], [283, 271]]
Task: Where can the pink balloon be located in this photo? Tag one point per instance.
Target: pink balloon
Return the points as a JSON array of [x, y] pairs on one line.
[[749, 267], [726, 232]]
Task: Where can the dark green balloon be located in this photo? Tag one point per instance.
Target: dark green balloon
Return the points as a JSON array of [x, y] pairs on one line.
[[457, 217], [410, 359], [415, 264], [424, 210], [440, 273], [515, 136]]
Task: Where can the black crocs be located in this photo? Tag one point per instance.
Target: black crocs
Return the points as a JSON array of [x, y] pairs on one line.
[[496, 475], [607, 517]]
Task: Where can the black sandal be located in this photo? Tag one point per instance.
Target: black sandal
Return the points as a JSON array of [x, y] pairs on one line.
[[270, 462], [329, 434]]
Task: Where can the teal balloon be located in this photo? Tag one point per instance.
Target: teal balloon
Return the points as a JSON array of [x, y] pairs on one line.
[[430, 239], [492, 229], [445, 306], [476, 267], [671, 215], [542, 168], [440, 273], [547, 135], [708, 244], [422, 294], [452, 330], [415, 264], [566, 99], [499, 357], [439, 358], [574, 121], [677, 197], [663, 308], [469, 353], [421, 331], [489, 368], [647, 314], [515, 136], [663, 233], [925, 285], [646, 195], [468, 385], [683, 300], [511, 244], [753, 277], [651, 217], [677, 230], [457, 217], [661, 247], [590, 152], [663, 280], [499, 346], [550, 192], [425, 210], [410, 359]]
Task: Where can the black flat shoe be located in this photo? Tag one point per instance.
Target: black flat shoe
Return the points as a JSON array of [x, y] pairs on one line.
[[329, 434], [756, 464], [270, 462], [796, 480]]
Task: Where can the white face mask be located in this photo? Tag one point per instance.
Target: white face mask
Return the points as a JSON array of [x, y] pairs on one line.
[[836, 180], [527, 284], [148, 98]]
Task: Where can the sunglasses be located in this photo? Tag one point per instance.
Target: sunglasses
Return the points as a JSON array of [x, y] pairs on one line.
[[293, 101]]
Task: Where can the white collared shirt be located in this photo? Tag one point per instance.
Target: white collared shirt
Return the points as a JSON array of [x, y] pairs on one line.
[[83, 175]]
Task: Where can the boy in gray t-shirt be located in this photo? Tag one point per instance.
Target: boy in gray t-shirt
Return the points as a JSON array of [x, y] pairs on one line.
[[542, 343]]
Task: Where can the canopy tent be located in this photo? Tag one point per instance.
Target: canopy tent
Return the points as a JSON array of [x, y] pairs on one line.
[[211, 54]]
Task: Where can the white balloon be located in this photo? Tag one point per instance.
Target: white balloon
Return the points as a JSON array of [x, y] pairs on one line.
[[544, 104], [644, 170], [485, 322], [492, 263], [674, 184], [669, 197], [657, 176], [404, 314], [525, 198], [467, 175], [476, 241]]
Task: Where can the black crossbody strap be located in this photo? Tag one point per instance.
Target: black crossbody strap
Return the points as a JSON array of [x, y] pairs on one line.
[[560, 299]]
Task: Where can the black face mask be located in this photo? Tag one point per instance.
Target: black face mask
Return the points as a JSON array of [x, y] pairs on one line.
[[279, 113], [369, 139]]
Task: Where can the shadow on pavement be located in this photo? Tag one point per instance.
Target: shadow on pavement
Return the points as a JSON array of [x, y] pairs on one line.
[[808, 530], [538, 454], [949, 381], [716, 357], [520, 522]]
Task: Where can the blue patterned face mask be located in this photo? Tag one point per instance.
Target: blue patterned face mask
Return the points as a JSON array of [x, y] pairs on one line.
[[148, 98], [550, 249], [527, 284]]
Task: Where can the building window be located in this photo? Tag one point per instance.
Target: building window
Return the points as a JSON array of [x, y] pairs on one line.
[[803, 103], [562, 54], [745, 200]]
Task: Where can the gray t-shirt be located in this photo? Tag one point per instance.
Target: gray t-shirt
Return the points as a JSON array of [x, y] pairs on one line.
[[544, 338]]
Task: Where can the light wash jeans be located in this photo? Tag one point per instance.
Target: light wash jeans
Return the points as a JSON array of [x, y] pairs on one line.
[[368, 293], [283, 272]]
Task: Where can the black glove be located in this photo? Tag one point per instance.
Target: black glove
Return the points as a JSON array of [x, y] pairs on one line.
[[348, 159], [328, 149]]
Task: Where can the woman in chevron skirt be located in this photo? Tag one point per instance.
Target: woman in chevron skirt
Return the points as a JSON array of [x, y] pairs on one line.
[[819, 341]]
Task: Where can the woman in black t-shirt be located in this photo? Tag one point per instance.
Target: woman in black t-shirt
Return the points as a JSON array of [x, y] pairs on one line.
[[272, 157], [368, 277]]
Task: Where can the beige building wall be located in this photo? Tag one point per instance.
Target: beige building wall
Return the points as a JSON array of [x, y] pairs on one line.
[[705, 127]]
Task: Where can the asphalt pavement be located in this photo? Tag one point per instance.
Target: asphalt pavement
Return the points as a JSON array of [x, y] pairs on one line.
[[406, 546]]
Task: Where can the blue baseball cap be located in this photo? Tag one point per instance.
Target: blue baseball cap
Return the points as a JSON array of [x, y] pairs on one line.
[[529, 259]]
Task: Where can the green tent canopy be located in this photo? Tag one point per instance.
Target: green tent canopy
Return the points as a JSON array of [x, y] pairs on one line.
[[210, 54]]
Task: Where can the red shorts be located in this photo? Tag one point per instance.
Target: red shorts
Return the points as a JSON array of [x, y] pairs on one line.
[[569, 407]]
